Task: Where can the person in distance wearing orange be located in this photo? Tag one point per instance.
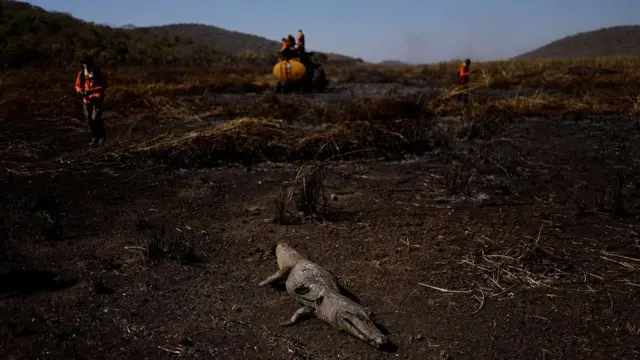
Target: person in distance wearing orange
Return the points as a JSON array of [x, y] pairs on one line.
[[91, 85], [464, 72]]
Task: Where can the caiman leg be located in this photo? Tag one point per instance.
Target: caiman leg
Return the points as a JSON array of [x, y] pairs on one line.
[[279, 275], [300, 313]]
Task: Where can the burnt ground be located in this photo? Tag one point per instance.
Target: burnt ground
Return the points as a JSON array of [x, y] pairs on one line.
[[520, 246]]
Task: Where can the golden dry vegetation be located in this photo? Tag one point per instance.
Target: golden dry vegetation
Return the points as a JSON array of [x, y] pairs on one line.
[[159, 99]]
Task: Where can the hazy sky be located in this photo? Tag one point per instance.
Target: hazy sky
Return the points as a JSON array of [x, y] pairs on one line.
[[375, 30]]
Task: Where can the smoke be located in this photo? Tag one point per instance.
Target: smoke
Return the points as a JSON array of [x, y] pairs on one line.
[[469, 37]]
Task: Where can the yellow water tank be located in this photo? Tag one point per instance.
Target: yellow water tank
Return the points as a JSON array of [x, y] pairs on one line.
[[288, 71]]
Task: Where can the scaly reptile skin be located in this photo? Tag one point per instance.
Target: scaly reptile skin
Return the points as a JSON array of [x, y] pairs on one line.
[[316, 289]]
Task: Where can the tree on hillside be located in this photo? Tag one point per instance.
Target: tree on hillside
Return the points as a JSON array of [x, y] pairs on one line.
[[31, 36]]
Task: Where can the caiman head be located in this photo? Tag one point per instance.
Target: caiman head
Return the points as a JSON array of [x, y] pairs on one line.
[[358, 321]]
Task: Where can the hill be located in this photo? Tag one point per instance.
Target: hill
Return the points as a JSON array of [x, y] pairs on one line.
[[32, 36], [235, 42], [393, 63], [610, 41]]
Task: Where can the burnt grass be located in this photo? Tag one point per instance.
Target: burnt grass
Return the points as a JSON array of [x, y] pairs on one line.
[[510, 238]]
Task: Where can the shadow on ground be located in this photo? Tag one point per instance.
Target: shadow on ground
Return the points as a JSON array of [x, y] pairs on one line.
[[24, 282]]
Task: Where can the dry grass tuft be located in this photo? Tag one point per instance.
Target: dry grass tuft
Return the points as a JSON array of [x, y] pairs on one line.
[[506, 273], [308, 193], [253, 139]]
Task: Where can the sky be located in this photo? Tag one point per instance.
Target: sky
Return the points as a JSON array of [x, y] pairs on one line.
[[414, 31]]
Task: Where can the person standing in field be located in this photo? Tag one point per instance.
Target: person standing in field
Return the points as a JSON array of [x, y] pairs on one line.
[[91, 85], [464, 72]]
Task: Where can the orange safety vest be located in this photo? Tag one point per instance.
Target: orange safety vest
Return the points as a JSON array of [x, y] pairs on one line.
[[463, 74], [98, 85]]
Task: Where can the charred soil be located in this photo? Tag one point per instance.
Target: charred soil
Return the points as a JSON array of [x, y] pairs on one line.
[[512, 237]]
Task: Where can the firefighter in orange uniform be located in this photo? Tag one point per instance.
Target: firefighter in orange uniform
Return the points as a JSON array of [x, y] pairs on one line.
[[91, 84], [464, 72]]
